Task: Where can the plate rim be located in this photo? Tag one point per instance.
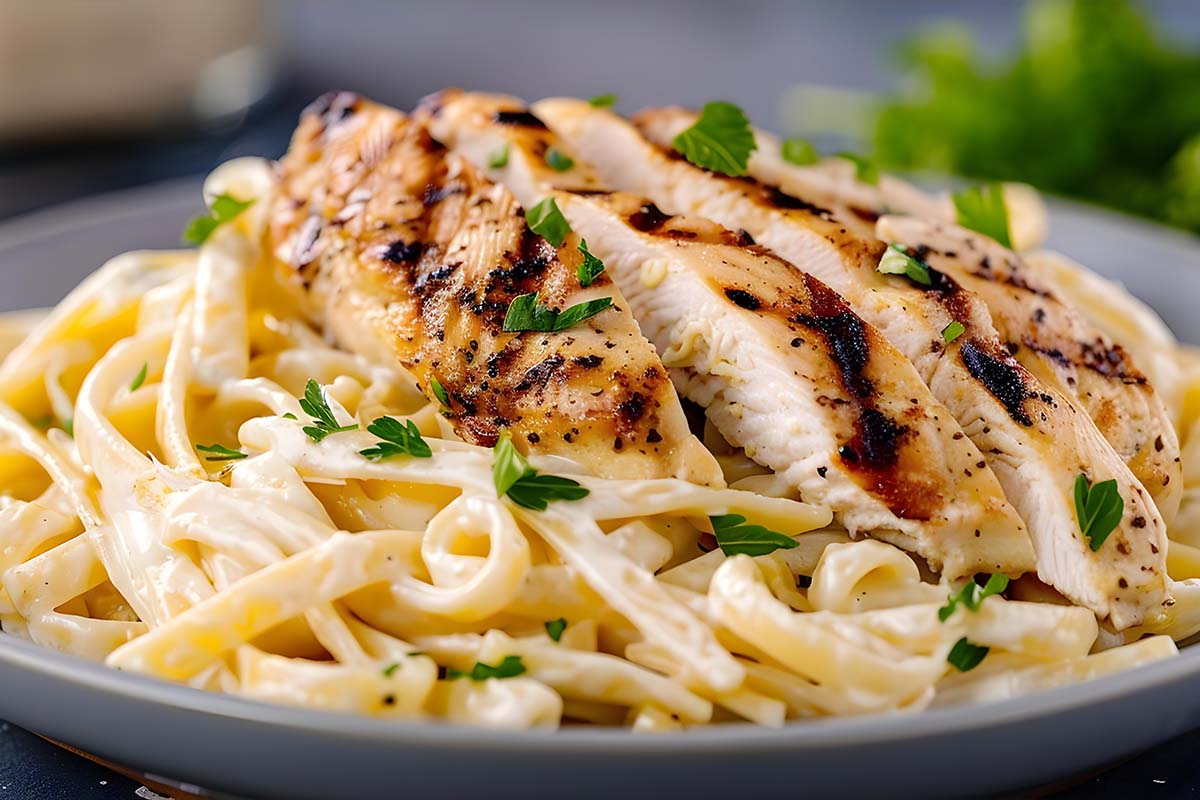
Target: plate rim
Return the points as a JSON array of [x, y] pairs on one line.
[[822, 733]]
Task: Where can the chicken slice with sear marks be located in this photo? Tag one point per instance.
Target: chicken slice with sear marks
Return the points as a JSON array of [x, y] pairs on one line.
[[1054, 342], [782, 366], [1036, 440], [407, 252]]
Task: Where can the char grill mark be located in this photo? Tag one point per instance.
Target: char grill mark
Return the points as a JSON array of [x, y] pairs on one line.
[[1002, 376], [402, 252], [844, 335], [524, 119], [648, 218], [744, 299]]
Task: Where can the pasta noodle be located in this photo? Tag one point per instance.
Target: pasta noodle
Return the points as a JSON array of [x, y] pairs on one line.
[[300, 572]]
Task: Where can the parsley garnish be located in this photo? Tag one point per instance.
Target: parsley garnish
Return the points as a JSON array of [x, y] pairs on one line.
[[1098, 508], [720, 139], [972, 595], [798, 151], [965, 656], [316, 405], [982, 209], [139, 379], [547, 221], [558, 161], [499, 158], [439, 391], [523, 485], [390, 669], [603, 100], [509, 667], [897, 261], [591, 266], [68, 426], [864, 168], [220, 452], [555, 628], [224, 208], [952, 331], [399, 439], [734, 536], [525, 314], [289, 415]]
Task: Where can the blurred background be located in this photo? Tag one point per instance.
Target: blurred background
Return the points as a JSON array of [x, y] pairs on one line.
[[1097, 99]]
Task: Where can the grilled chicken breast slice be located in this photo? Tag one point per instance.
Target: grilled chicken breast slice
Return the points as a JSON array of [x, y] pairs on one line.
[[1035, 439], [783, 367], [1054, 341], [409, 252]]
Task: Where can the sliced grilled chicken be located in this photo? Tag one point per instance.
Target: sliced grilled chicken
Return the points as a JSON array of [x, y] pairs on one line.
[[783, 367], [1054, 342], [410, 253], [1035, 439]]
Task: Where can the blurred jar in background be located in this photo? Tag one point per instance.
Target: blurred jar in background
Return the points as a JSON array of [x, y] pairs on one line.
[[72, 69]]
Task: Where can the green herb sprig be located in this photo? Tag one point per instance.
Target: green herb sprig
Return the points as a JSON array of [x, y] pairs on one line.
[[603, 100], [952, 331], [558, 161], [316, 405], [499, 158]]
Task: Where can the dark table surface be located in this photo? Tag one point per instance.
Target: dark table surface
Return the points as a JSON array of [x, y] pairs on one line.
[[33, 768]]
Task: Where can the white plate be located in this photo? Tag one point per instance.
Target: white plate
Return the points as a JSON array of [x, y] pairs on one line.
[[234, 745]]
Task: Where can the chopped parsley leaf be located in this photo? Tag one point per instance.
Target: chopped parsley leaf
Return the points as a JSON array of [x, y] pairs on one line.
[[390, 669], [734, 536], [1098, 509], [546, 220], [558, 161], [139, 379], [526, 314], [952, 331], [603, 100], [224, 208], [521, 483], [316, 405], [897, 261], [982, 209], [398, 439], [965, 656], [591, 266], [798, 151], [720, 139], [499, 158], [220, 452], [972, 595], [439, 391], [555, 628], [509, 667]]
